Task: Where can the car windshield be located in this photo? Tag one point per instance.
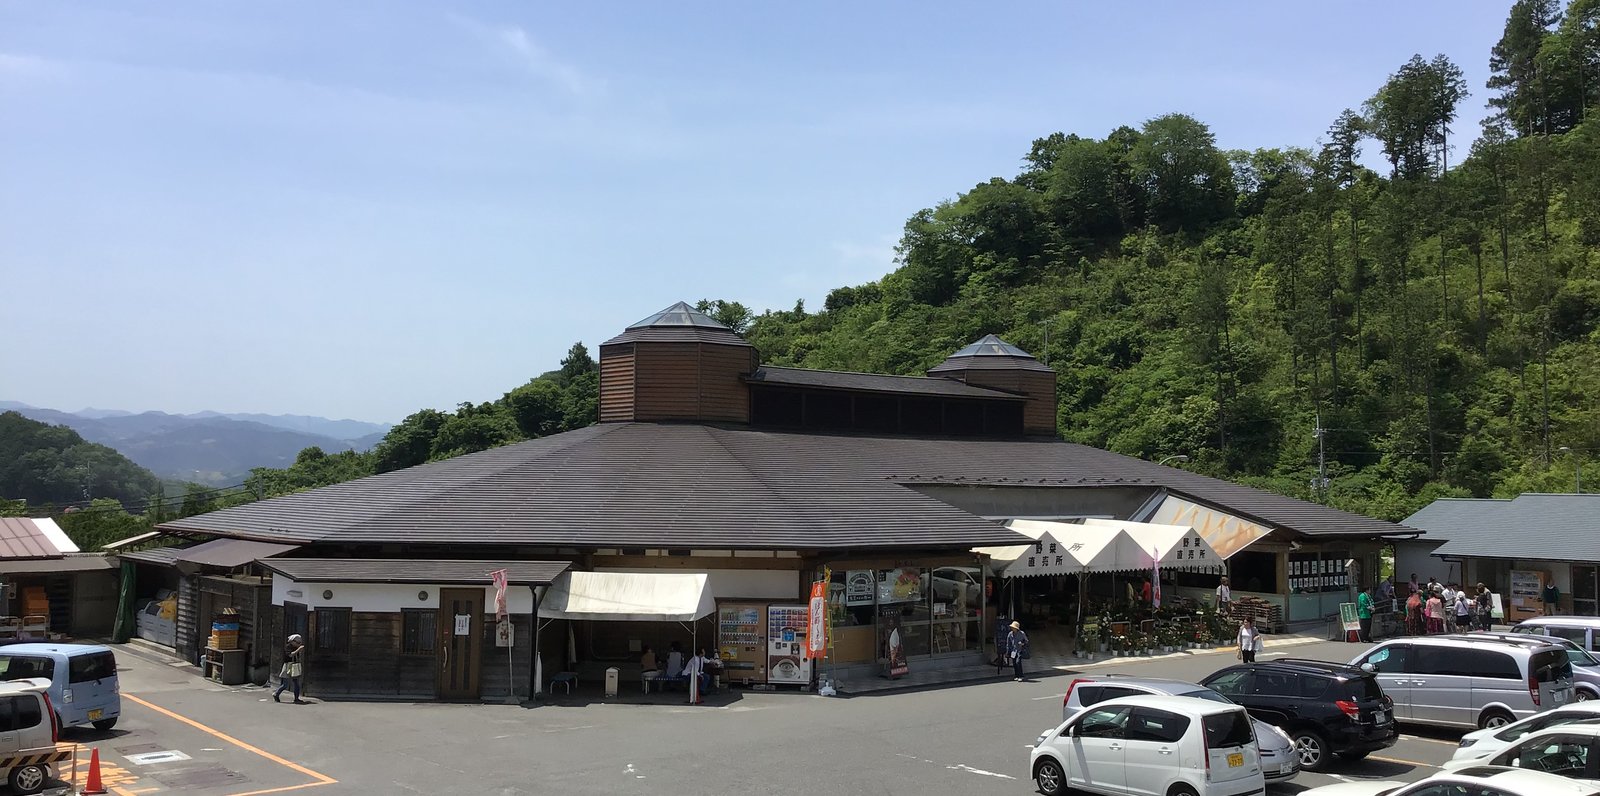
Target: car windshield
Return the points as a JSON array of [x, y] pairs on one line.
[[91, 667], [1364, 688], [1207, 694], [1578, 657]]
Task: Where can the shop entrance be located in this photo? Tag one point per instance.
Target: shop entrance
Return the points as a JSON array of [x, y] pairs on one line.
[[1585, 590], [460, 643]]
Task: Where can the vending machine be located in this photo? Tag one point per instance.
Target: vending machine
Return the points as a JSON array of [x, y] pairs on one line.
[[742, 642], [787, 663]]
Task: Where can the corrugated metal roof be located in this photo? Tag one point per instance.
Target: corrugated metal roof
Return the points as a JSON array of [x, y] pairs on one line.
[[21, 537], [1532, 526], [874, 382], [73, 562], [160, 556], [391, 570], [230, 553], [686, 485], [1446, 518]]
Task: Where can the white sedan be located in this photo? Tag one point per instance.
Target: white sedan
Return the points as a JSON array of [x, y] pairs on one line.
[[1568, 749], [1480, 745], [1476, 781]]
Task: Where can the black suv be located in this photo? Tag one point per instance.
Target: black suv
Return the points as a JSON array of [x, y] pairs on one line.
[[1327, 708]]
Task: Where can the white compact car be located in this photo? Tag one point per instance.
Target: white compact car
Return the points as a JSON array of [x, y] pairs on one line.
[[1167, 745], [1569, 750], [1480, 745], [1476, 781]]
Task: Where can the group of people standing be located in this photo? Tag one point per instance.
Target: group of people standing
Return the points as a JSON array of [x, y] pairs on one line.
[[1431, 608]]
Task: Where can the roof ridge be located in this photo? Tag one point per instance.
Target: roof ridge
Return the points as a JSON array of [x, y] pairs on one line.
[[863, 373]]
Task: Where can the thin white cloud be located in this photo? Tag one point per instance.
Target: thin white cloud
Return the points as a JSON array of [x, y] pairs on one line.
[[514, 42], [12, 64]]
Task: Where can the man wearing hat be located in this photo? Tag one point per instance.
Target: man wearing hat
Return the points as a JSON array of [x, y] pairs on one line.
[[1017, 642], [293, 663]]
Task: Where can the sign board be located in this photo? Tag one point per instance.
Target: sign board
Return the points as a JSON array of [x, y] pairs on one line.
[[505, 635], [463, 624], [1348, 617], [816, 631], [858, 587]]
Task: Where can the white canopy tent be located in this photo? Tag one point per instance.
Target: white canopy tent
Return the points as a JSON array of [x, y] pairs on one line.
[[1175, 546], [627, 597]]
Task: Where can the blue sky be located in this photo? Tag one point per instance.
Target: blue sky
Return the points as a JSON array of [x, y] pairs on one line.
[[359, 209]]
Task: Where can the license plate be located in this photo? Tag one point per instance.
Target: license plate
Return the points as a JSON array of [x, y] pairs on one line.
[[96, 715], [1381, 717], [1559, 696], [1236, 760]]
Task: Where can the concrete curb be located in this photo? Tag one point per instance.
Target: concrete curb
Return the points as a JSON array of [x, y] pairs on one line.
[[1079, 663]]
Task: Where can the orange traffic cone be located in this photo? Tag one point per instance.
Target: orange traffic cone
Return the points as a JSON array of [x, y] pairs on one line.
[[93, 786]]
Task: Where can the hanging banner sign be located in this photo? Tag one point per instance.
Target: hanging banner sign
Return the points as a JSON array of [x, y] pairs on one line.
[[816, 621], [499, 577]]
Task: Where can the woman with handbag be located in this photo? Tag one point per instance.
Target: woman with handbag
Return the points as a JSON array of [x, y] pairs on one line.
[[1249, 640], [293, 666]]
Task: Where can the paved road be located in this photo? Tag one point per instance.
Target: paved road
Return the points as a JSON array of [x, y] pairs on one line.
[[963, 739]]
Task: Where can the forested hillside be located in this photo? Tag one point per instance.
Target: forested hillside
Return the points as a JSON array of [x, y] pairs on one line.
[[1438, 316], [41, 463]]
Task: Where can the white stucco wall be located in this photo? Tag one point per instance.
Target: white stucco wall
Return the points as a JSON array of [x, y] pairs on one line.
[[385, 597], [766, 584]]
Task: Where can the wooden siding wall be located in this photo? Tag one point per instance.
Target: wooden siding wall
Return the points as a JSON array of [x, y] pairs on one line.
[[250, 597], [616, 383], [188, 645], [691, 381], [1039, 412], [374, 666], [494, 671]]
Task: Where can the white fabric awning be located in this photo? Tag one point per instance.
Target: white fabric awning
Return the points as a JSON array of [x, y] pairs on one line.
[[1175, 546], [1067, 548], [1226, 533], [628, 597]]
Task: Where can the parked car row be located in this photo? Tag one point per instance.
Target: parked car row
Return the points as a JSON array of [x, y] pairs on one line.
[[1131, 735]]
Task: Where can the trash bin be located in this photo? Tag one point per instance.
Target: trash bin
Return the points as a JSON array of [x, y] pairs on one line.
[[611, 681]]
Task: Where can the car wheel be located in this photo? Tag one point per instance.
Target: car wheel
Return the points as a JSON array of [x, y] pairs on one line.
[[105, 724], [1052, 781], [1181, 790], [1584, 696], [27, 779], [1312, 748], [1494, 718]]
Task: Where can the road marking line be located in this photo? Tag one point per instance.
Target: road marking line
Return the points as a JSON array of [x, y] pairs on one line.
[[321, 779], [1402, 762], [1431, 740]]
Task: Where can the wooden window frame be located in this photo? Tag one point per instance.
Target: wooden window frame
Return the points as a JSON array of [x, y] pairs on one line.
[[431, 639], [341, 646]]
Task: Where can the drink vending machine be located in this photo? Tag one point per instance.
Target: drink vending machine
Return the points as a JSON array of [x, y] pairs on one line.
[[787, 663]]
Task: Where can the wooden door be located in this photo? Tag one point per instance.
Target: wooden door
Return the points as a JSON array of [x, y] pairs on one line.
[[460, 642]]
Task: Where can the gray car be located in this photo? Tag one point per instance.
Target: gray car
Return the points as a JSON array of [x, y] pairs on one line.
[[1585, 666], [1279, 761]]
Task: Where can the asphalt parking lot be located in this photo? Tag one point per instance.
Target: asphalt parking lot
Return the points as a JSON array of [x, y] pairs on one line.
[[971, 738]]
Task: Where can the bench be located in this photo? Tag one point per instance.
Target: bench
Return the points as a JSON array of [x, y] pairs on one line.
[[567, 679]]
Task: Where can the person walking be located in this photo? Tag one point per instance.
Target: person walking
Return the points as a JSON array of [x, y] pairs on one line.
[[1249, 640], [1364, 615], [1447, 599], [1017, 642], [1463, 610], [1414, 623], [1224, 598], [293, 667], [1485, 608]]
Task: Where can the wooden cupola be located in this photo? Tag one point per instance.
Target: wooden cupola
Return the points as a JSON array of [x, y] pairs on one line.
[[996, 364], [678, 364]]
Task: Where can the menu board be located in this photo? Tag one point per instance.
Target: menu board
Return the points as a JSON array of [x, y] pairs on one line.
[[741, 641]]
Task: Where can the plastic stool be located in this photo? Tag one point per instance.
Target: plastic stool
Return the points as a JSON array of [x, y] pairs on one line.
[[567, 679]]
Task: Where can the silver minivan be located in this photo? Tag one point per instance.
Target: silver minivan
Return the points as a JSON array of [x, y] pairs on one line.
[[1581, 630], [1470, 681]]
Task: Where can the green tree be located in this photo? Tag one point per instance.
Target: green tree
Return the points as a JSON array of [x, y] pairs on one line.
[[411, 441], [1187, 180]]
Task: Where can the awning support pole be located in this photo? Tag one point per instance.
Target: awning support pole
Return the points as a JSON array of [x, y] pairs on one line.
[[536, 670]]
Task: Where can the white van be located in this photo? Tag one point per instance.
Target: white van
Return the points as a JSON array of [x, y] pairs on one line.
[[1470, 680], [1150, 745], [1581, 630], [28, 735], [83, 679]]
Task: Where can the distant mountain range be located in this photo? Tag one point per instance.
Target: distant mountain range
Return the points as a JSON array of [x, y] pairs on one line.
[[213, 448]]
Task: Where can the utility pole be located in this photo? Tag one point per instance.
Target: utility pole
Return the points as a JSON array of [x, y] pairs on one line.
[[1320, 483]]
